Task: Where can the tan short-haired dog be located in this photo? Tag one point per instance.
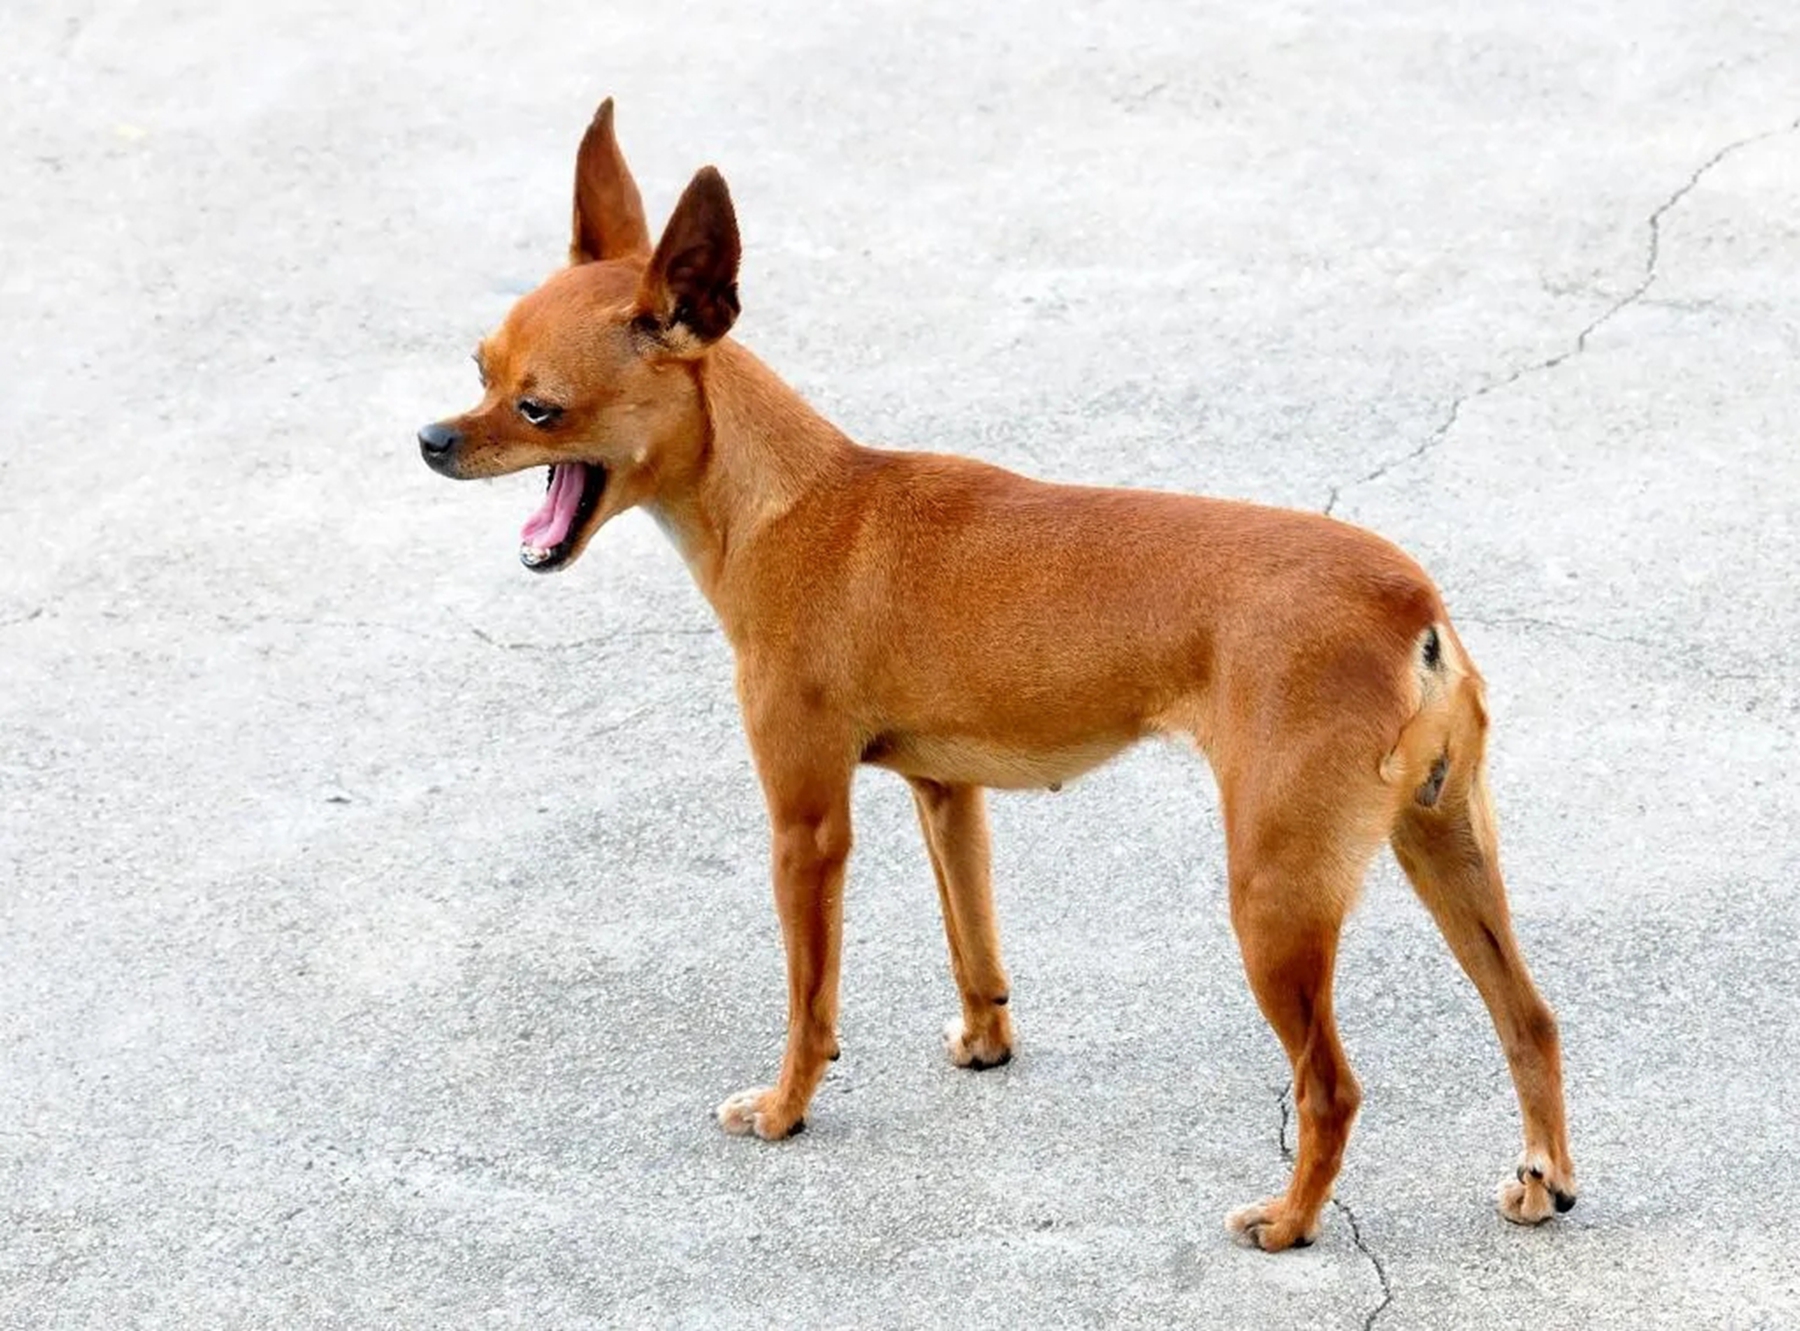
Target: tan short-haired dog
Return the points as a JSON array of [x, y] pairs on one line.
[[967, 627]]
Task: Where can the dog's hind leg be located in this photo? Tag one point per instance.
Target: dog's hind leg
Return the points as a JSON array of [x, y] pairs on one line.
[[954, 820], [1289, 936], [1298, 842], [1450, 853]]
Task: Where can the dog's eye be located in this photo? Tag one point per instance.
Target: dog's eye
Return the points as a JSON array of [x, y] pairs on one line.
[[540, 414]]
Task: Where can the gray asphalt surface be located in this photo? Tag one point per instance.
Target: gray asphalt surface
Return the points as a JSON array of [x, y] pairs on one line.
[[379, 924]]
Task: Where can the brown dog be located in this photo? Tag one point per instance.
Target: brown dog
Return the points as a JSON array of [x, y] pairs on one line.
[[969, 628]]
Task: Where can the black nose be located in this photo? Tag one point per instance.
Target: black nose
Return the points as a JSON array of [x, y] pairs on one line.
[[437, 439]]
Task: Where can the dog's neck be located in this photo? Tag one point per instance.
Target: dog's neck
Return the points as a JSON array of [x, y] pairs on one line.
[[762, 449]]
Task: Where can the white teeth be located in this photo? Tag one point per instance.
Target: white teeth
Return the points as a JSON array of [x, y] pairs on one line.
[[531, 554]]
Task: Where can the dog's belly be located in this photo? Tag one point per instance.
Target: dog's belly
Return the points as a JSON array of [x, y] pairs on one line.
[[971, 761]]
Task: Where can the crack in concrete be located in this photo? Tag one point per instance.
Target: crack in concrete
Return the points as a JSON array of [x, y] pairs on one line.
[[482, 635], [1557, 626], [1685, 654], [1283, 1103], [1654, 252], [577, 644], [1387, 1290], [1437, 436], [74, 26], [1652, 255], [241, 622], [360, 626], [1133, 101]]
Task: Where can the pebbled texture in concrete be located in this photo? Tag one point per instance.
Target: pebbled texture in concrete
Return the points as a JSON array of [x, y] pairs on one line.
[[379, 924]]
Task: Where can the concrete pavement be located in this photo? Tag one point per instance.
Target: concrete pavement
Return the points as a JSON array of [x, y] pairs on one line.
[[379, 924]]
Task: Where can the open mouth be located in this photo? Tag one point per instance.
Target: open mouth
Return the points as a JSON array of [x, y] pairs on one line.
[[550, 534]]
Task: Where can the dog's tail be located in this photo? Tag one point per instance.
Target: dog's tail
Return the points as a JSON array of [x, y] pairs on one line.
[[1439, 754]]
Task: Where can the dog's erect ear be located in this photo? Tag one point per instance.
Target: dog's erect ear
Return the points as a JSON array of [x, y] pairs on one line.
[[688, 297], [609, 215]]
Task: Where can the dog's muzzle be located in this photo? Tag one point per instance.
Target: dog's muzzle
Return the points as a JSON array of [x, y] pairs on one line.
[[437, 445]]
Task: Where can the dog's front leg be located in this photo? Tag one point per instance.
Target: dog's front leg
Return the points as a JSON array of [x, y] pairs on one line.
[[954, 819], [808, 790]]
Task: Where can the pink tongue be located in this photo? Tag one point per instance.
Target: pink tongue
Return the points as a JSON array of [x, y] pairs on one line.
[[549, 526]]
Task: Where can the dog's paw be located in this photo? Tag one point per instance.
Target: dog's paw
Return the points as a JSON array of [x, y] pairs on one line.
[[755, 1113], [977, 1052], [1271, 1226], [1537, 1191]]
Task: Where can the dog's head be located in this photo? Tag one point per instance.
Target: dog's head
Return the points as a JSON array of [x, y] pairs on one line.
[[595, 375]]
